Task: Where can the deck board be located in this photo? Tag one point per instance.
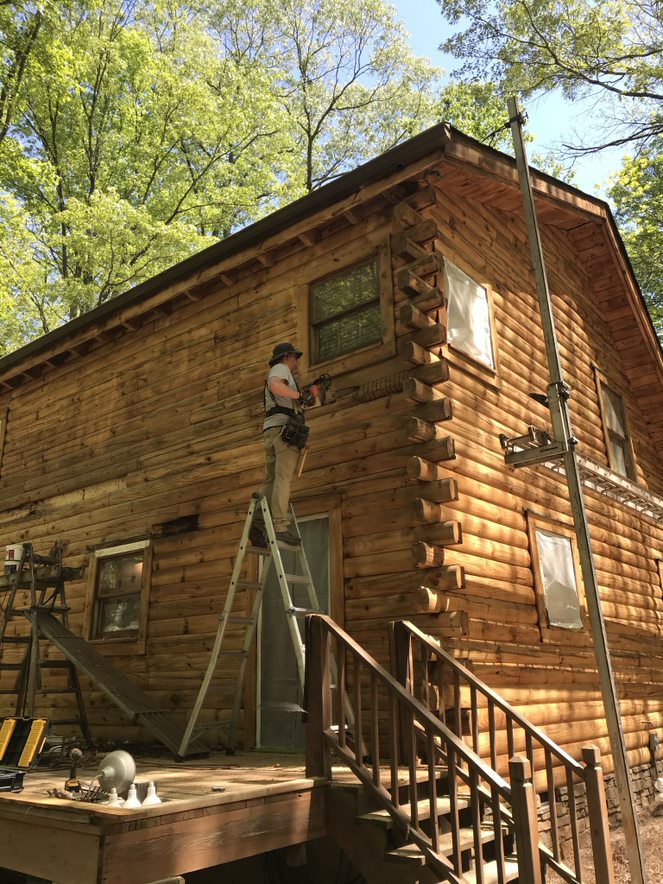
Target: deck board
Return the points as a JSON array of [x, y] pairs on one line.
[[267, 803]]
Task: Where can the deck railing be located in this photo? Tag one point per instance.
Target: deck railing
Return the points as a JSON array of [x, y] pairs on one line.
[[495, 731], [366, 718]]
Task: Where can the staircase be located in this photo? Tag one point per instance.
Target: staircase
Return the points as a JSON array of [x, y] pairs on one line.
[[426, 807]]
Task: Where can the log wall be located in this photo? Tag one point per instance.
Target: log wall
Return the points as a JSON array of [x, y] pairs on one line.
[[160, 419]]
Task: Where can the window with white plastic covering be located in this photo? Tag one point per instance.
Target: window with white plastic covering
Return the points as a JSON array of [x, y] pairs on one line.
[[468, 315], [558, 579]]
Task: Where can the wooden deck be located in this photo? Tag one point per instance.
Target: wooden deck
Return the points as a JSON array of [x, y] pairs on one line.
[[267, 803]]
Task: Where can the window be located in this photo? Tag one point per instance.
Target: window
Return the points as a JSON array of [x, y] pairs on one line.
[[468, 315], [615, 431], [345, 312], [558, 578], [556, 575], [120, 576]]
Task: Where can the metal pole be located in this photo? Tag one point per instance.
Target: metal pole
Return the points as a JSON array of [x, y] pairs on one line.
[[557, 398]]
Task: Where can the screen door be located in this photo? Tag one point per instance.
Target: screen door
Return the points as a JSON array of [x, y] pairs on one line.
[[279, 725]]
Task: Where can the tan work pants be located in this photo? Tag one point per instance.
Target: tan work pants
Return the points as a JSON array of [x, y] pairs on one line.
[[280, 467]]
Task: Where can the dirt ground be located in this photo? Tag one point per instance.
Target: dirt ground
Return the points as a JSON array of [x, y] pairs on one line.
[[651, 835]]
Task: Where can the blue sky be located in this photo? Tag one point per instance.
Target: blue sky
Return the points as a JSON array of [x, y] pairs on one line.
[[550, 119]]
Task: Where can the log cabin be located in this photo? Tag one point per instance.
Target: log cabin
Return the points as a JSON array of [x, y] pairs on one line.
[[132, 436]]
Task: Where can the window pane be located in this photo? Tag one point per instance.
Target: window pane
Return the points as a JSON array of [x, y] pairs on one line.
[[119, 615], [120, 574], [344, 291], [349, 333], [618, 456], [614, 412], [559, 579], [468, 319]]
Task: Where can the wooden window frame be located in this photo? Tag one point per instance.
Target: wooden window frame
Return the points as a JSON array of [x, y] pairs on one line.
[[124, 643], [550, 633], [461, 356], [374, 352], [601, 381]]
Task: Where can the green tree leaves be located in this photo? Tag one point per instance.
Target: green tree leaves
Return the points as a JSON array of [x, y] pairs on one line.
[[138, 133], [582, 47], [609, 50], [637, 192]]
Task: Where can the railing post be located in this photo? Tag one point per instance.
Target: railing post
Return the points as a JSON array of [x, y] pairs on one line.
[[403, 670], [598, 815], [317, 697], [523, 802]]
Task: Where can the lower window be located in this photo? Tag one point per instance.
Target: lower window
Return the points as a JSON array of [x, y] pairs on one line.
[[121, 576], [556, 574]]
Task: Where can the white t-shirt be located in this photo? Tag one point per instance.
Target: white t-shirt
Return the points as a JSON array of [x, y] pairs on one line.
[[281, 371]]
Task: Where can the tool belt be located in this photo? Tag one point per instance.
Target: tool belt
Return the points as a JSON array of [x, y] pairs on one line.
[[295, 432]]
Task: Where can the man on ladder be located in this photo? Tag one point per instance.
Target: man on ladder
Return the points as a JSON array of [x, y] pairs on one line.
[[285, 436]]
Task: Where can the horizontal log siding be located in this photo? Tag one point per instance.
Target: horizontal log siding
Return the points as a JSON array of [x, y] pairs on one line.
[[549, 674], [164, 422]]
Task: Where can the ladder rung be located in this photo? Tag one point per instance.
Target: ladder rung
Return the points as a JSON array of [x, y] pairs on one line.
[[12, 666], [15, 639], [258, 551], [301, 579], [233, 653], [245, 585], [56, 664], [301, 612]]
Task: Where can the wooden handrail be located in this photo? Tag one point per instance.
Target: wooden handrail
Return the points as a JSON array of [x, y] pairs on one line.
[[410, 702], [536, 742], [473, 787], [495, 698]]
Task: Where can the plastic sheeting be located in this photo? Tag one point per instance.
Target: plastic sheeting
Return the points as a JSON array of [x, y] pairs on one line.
[[468, 316], [559, 579]]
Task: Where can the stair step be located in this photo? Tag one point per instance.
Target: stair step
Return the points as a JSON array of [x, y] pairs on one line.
[[411, 853], [491, 873], [383, 818]]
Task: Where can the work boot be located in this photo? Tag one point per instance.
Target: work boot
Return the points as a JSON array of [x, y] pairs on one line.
[[289, 538], [257, 537]]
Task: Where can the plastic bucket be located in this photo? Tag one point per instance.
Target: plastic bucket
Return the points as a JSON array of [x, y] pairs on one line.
[[13, 554]]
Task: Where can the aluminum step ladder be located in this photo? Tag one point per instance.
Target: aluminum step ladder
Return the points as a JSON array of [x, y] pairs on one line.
[[259, 513]]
